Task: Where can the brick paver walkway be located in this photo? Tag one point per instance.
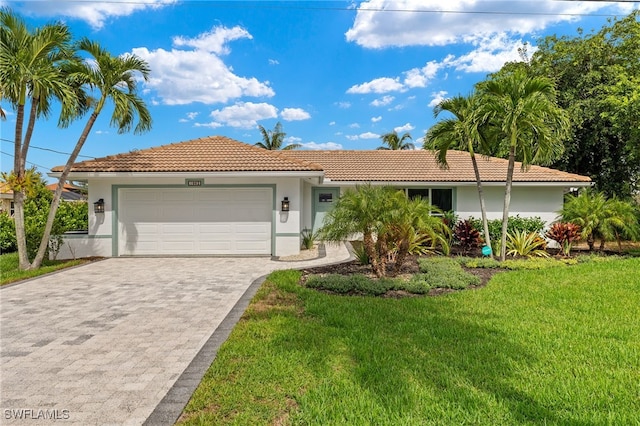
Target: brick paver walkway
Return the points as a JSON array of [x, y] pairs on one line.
[[104, 343]]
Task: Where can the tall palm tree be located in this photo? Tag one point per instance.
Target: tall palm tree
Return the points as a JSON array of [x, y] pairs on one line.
[[530, 125], [395, 142], [31, 65], [273, 139], [462, 132], [109, 79]]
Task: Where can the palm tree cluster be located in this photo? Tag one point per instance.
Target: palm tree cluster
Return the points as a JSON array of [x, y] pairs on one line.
[[515, 115], [273, 139], [392, 141], [389, 223], [39, 67]]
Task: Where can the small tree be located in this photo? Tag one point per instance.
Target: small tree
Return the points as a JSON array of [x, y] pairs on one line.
[[273, 140], [565, 234], [391, 141]]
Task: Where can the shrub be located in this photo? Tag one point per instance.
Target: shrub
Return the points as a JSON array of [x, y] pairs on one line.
[[516, 224], [565, 234], [7, 233], [466, 236], [536, 263], [479, 262], [526, 244], [445, 272], [360, 252], [308, 238]]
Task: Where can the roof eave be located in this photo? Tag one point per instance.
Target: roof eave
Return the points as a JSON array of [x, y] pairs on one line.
[[103, 174]]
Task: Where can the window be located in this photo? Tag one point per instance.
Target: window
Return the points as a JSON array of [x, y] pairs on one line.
[[325, 197], [441, 198], [12, 210]]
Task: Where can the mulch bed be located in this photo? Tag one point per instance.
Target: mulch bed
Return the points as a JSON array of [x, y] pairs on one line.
[[410, 267]]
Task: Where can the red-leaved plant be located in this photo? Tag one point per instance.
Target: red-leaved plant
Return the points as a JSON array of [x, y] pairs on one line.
[[466, 236], [565, 234]]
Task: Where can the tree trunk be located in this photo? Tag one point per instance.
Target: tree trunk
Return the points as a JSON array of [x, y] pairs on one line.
[[403, 250], [591, 242], [382, 251], [370, 248], [483, 208], [507, 201], [44, 242], [18, 193]]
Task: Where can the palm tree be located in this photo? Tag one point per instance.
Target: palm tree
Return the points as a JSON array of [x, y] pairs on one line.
[[529, 124], [31, 71], [362, 211], [600, 218], [273, 139], [462, 132], [395, 142], [111, 79]]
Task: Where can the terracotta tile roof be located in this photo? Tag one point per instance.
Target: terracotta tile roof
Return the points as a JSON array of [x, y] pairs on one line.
[[209, 154], [421, 166]]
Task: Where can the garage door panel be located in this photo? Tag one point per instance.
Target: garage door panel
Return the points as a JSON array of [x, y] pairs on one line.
[[184, 221]]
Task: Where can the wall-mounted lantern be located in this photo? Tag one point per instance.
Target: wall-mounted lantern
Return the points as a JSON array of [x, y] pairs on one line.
[[285, 204], [98, 206]]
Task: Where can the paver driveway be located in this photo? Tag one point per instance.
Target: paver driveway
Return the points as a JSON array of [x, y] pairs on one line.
[[104, 343]]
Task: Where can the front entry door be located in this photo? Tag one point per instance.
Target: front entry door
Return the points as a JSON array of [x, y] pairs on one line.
[[323, 201]]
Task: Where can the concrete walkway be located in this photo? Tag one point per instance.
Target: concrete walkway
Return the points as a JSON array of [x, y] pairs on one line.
[[121, 341]]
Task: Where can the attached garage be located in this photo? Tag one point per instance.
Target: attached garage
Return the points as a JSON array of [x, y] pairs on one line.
[[195, 221]]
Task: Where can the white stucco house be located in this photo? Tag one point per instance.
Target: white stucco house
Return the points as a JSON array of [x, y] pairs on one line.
[[218, 196]]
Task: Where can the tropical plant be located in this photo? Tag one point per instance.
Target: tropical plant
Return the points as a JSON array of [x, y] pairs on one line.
[[528, 123], [466, 236], [273, 139], [32, 71], [361, 255], [526, 244], [387, 221], [308, 238], [464, 132], [108, 79], [391, 141], [599, 217], [565, 234]]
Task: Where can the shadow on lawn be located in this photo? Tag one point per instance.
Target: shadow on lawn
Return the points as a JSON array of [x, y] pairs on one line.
[[437, 350]]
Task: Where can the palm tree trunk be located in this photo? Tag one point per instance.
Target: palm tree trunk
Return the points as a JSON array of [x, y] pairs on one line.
[[403, 250], [44, 242], [483, 208], [507, 201], [382, 252], [370, 248], [18, 193]]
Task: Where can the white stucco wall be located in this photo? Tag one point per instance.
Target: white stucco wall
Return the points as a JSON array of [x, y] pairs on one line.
[[526, 201], [287, 225]]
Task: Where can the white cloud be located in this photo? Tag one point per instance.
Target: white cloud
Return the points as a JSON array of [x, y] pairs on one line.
[[214, 41], [273, 62], [385, 100], [354, 126], [343, 105], [243, 114], [368, 135], [420, 77], [490, 54], [332, 123], [101, 132], [406, 128], [292, 139], [437, 97], [377, 26], [376, 119], [190, 117], [352, 137], [94, 13], [185, 76], [294, 114], [326, 146], [378, 85]]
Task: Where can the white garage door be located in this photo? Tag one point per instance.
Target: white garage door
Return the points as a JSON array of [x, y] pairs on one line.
[[177, 221]]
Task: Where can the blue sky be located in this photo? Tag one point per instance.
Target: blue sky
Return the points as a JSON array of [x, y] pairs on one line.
[[336, 74]]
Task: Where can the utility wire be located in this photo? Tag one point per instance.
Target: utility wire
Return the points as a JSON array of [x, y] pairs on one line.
[[49, 149], [30, 162]]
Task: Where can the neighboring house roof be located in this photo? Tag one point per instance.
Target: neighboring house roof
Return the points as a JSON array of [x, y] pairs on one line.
[[5, 192], [69, 192], [209, 154], [421, 166]]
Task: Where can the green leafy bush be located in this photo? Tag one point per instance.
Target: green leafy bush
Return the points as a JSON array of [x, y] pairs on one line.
[[478, 262], [445, 272], [516, 224], [7, 233]]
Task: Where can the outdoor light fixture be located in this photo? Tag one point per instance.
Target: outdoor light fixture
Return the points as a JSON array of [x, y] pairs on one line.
[[98, 206], [285, 204]]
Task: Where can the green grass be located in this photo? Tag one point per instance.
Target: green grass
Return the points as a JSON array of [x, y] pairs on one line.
[[559, 346], [9, 271]]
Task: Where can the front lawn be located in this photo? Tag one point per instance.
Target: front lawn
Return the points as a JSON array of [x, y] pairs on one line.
[[9, 271], [557, 346]]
